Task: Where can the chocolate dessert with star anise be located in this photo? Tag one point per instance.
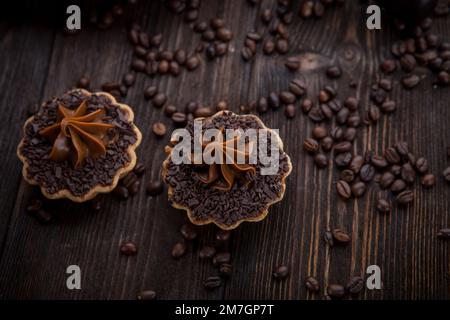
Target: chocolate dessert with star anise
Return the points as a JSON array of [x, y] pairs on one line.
[[227, 192], [79, 145]]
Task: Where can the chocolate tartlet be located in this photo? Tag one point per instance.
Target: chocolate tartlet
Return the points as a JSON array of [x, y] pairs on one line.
[[78, 145], [226, 194]]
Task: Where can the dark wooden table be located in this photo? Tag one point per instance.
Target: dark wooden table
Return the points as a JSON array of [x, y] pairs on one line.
[[38, 62]]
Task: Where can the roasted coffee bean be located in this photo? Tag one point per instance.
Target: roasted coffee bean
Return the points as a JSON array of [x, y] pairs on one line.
[[212, 282], [174, 68], [385, 84], [83, 82], [223, 235], [408, 173], [320, 160], [351, 103], [386, 180], [347, 175], [133, 35], [398, 186], [169, 110], [343, 189], [138, 65], [178, 250], [191, 15], [378, 162], [326, 111], [367, 173], [383, 206], [319, 132], [147, 295], [446, 174], [336, 291], [410, 81], [408, 62], [128, 248], [225, 270], [422, 165], [391, 155], [306, 105], [342, 116], [180, 56], [337, 133], [388, 66], [154, 187], [341, 236], [310, 145], [358, 189], [335, 105], [306, 9], [328, 237], [262, 105], [402, 148], [354, 120], [222, 257], [343, 159], [266, 15], [179, 118], [139, 169], [274, 100], [246, 53], [269, 47], [396, 170], [290, 111], [192, 62], [342, 147], [159, 99], [388, 106], [150, 92], [356, 163], [159, 129], [121, 192], [428, 180], [207, 252], [355, 285], [444, 233], [281, 272], [334, 72], [287, 97], [374, 113], [350, 134], [326, 144], [188, 231], [224, 34], [282, 46], [217, 23], [134, 187], [203, 112], [292, 63], [324, 96], [129, 179], [297, 87], [378, 95], [140, 51], [405, 197], [312, 284], [200, 26]]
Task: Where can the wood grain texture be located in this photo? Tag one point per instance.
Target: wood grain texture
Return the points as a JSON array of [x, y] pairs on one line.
[[39, 63]]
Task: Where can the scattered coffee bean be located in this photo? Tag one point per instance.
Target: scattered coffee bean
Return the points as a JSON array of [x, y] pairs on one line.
[[159, 129], [281, 272], [178, 250], [358, 189], [188, 231], [444, 233], [410, 81], [192, 63], [341, 236], [121, 192], [383, 206], [312, 284], [292, 63], [147, 295], [159, 99], [310, 145], [405, 197], [334, 72], [84, 82], [336, 291], [207, 252], [212, 282], [367, 173], [446, 174], [179, 118], [225, 270], [128, 248], [321, 160], [428, 180], [355, 285], [154, 187], [222, 257]]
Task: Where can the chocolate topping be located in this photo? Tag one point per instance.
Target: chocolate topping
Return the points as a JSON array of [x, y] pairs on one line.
[[77, 135]]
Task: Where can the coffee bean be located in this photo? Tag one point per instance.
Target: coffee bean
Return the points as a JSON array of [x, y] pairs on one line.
[[326, 111], [386, 180], [179, 118], [343, 189], [222, 257], [350, 134], [334, 72], [147, 295], [262, 105], [336, 291], [326, 144], [405, 197], [444, 233], [220, 49], [378, 161], [374, 113], [367, 173], [224, 34], [159, 129], [138, 65], [341, 236], [274, 100], [342, 116], [408, 62], [174, 68], [337, 133], [319, 132], [351, 103], [178, 250], [290, 111], [128, 248], [212, 282], [292, 63], [121, 192], [398, 186], [159, 99], [391, 155], [83, 82], [343, 159], [410, 81], [446, 174], [342, 147], [281, 272], [335, 105], [133, 36], [320, 160], [139, 169], [402, 148], [422, 165], [223, 235], [354, 121], [246, 53], [324, 96], [306, 9], [358, 189], [355, 285], [269, 47], [287, 97], [428, 180], [312, 284], [347, 175], [266, 15], [310, 145], [408, 174], [154, 187], [207, 252], [383, 206], [385, 84], [306, 105], [282, 46], [188, 231], [222, 105], [192, 63], [388, 66], [356, 163], [225, 270]]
